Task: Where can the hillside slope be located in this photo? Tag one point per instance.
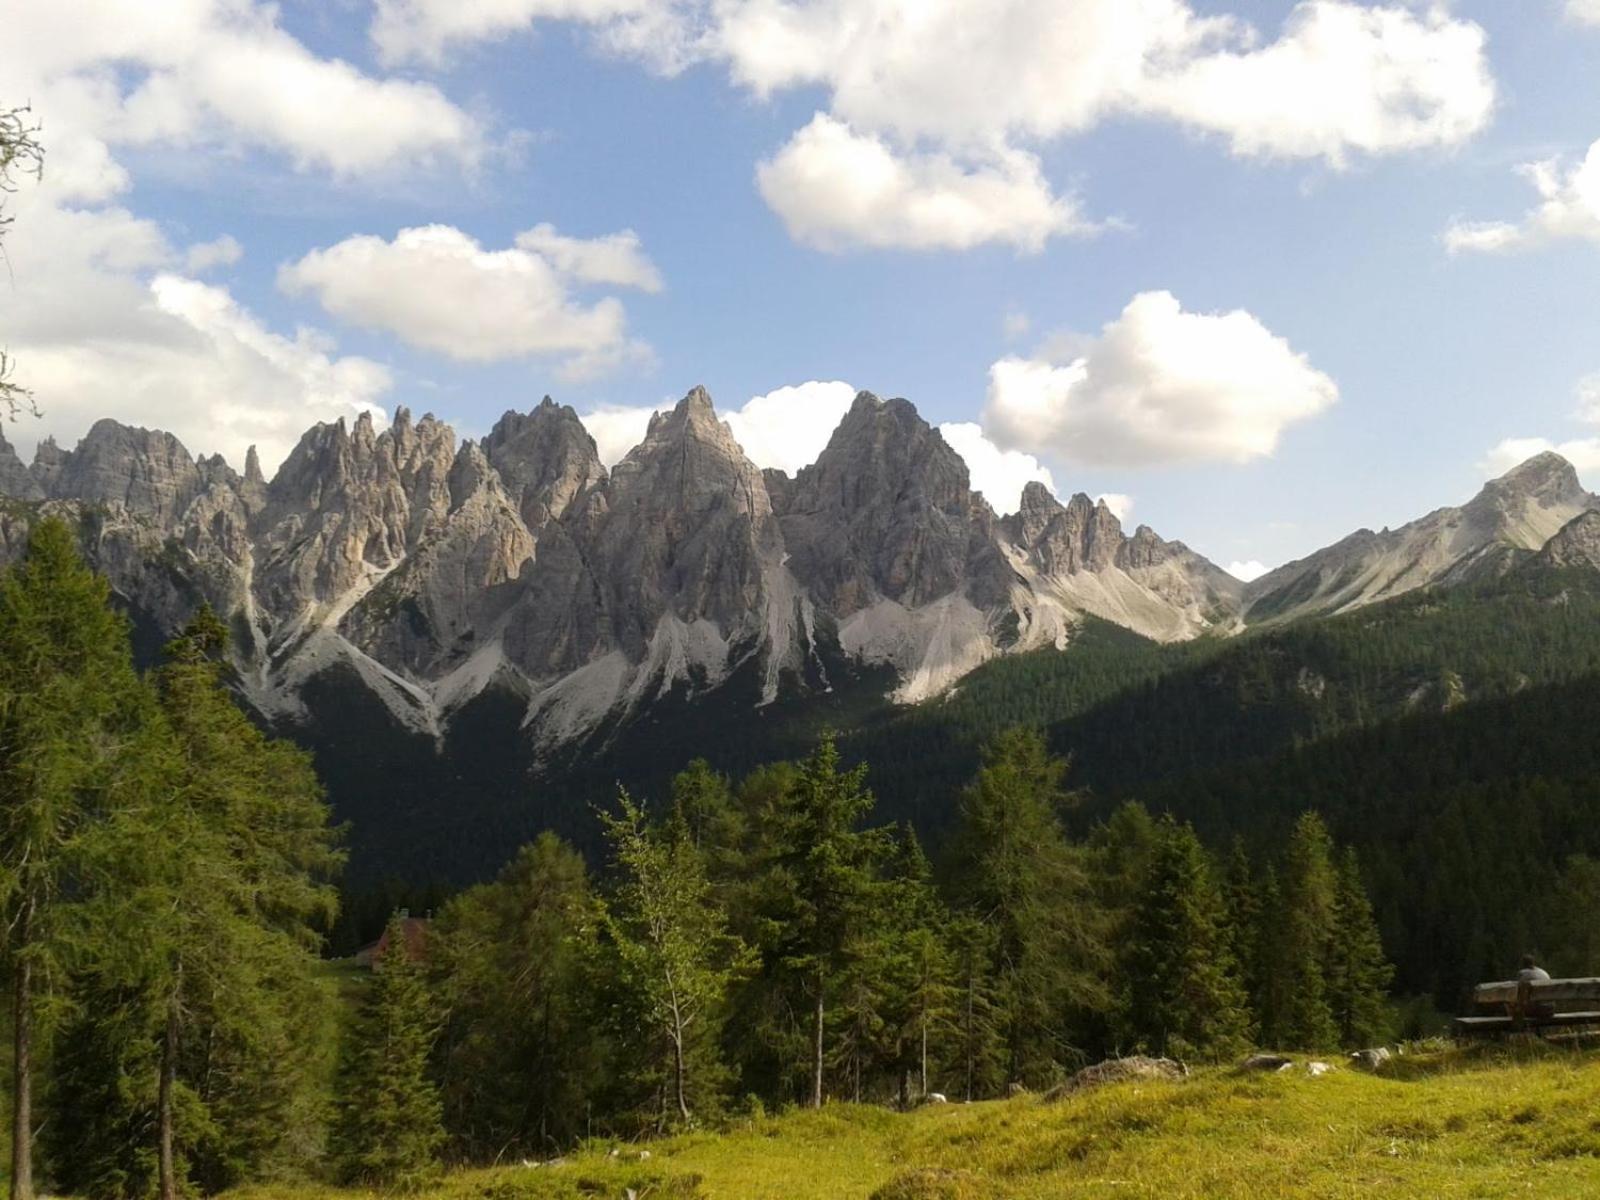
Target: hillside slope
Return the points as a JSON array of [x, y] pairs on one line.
[[1442, 1125]]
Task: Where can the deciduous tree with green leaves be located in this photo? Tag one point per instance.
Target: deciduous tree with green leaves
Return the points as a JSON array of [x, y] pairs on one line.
[[675, 954]]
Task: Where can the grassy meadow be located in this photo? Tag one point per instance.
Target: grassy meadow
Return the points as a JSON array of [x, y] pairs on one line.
[[1482, 1122]]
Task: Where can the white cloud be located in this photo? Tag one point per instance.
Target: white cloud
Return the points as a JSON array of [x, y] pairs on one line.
[[426, 30], [1342, 79], [837, 189], [785, 428], [935, 108], [1569, 209], [1247, 572], [1582, 453], [1159, 385], [437, 288], [219, 252], [616, 259], [1120, 504], [788, 428], [219, 74], [999, 474], [1585, 12], [618, 429]]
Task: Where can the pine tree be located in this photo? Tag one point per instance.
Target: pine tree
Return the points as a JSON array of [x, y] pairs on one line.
[[1014, 869], [828, 866], [675, 953], [1358, 972], [1301, 956], [388, 1130], [979, 1036], [520, 1060], [209, 932], [69, 702], [1241, 901], [1184, 995]]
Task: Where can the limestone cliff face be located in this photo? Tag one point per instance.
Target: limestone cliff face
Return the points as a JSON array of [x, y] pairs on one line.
[[1520, 511], [434, 568]]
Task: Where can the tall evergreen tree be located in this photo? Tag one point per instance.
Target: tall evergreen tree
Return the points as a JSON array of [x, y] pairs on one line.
[[70, 703], [1184, 994], [209, 935], [520, 1061], [1241, 901], [1358, 972], [1013, 868], [672, 942], [388, 1130], [1309, 900], [828, 864]]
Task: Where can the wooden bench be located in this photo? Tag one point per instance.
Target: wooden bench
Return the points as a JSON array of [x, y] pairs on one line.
[[1514, 1006]]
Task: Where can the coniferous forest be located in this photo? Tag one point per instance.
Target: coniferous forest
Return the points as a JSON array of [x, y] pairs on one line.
[[742, 943]]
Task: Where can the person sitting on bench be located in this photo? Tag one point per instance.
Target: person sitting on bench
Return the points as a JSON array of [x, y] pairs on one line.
[[1531, 971]]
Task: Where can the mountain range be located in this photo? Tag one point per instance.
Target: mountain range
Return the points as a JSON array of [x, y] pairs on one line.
[[435, 568]]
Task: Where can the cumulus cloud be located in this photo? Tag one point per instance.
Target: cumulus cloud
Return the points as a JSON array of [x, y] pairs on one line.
[[1247, 572], [437, 288], [101, 329], [219, 252], [1158, 385], [837, 189], [1585, 12], [1583, 453], [1000, 475], [216, 74], [1568, 210], [936, 108], [785, 428]]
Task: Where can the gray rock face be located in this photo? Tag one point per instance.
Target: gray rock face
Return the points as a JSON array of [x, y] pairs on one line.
[[1577, 544], [16, 481], [1519, 512], [546, 459], [147, 471], [887, 510], [687, 530], [433, 567]]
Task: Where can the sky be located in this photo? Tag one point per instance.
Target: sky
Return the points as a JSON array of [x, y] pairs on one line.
[[1260, 273]]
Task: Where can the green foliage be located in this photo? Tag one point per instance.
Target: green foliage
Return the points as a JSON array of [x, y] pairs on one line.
[[1358, 974], [675, 957], [1305, 936], [388, 1130], [1184, 995], [1013, 870], [518, 1058]]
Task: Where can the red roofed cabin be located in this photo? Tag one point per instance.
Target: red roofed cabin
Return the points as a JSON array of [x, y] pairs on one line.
[[416, 940]]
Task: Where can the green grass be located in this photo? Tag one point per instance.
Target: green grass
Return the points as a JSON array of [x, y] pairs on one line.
[[1480, 1123]]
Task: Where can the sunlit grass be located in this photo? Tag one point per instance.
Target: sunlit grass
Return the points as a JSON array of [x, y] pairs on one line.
[[1485, 1123]]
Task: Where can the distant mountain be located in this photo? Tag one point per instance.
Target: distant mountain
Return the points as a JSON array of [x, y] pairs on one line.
[[434, 569], [1521, 511]]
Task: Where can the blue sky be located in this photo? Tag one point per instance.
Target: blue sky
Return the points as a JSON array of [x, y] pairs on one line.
[[1385, 363]]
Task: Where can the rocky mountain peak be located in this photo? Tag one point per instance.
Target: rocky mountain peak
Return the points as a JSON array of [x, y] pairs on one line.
[[147, 470], [16, 481], [252, 469], [546, 458], [1577, 543], [1546, 479]]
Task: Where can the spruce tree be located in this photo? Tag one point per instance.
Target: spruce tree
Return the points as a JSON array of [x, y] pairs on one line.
[[1184, 995], [1309, 900], [828, 866], [1241, 901], [509, 960], [1013, 869], [69, 704], [1358, 972], [387, 1131], [672, 943], [209, 935]]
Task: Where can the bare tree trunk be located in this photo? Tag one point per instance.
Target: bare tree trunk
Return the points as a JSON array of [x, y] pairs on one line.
[[22, 1064], [922, 1077], [970, 1034], [166, 1166], [679, 1073], [816, 1047]]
